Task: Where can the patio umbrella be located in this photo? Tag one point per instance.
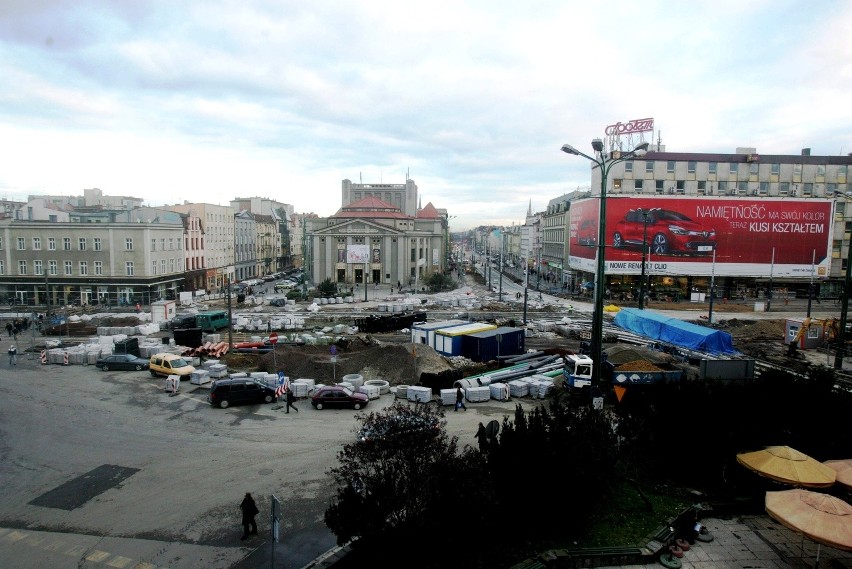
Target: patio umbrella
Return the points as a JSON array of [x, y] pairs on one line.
[[787, 465], [822, 518], [843, 468]]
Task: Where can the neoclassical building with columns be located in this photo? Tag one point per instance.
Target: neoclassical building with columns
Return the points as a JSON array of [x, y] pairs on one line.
[[371, 239]]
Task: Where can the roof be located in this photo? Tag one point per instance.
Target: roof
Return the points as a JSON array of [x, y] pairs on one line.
[[370, 207], [428, 212]]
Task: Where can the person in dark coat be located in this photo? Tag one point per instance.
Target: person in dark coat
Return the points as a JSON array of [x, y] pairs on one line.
[[482, 438], [250, 510], [290, 398], [459, 399]]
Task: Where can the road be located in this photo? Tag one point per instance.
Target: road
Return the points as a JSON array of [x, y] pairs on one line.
[[105, 469]]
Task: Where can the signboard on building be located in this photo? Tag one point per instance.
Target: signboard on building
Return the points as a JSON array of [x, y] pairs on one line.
[[357, 254], [751, 237]]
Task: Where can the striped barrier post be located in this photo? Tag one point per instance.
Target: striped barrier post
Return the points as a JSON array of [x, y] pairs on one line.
[[44, 356], [65, 358]]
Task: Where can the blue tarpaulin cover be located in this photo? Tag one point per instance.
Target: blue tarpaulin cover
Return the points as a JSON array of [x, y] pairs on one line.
[[674, 331]]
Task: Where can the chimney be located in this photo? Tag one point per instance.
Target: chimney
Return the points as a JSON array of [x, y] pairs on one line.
[[806, 151]]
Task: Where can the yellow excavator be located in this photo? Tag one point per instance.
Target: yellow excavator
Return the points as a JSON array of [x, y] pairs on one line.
[[830, 332]]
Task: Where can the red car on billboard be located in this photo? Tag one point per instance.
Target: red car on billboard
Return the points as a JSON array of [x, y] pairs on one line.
[[668, 232]]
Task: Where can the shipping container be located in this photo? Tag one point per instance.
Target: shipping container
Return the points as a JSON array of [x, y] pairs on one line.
[[491, 344]]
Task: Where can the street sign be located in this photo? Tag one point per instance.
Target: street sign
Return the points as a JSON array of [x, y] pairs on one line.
[[273, 338], [333, 350]]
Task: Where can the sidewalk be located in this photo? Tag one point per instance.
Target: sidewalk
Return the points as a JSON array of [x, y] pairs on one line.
[[754, 542]]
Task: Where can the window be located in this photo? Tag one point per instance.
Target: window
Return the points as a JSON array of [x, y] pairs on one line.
[[99, 268], [690, 166], [649, 167], [128, 246], [783, 188], [171, 265], [680, 186], [81, 243], [1, 243], [153, 244], [830, 189], [713, 166], [36, 244], [2, 267], [128, 268], [616, 184], [702, 187], [670, 167], [153, 267], [20, 244], [69, 270], [162, 244], [753, 168], [66, 243], [22, 267], [775, 169], [51, 267], [723, 187], [638, 185], [807, 189], [628, 166], [84, 268], [659, 186], [733, 169], [171, 244], [96, 243], [764, 188], [38, 268], [51, 244], [797, 169]]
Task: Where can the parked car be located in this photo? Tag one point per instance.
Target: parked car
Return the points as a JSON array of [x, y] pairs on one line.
[[227, 392], [278, 302], [337, 397], [279, 287], [668, 232], [127, 362], [169, 364], [182, 321]]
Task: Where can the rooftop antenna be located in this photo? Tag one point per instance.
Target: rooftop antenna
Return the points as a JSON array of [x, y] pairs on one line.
[[361, 177], [659, 139]]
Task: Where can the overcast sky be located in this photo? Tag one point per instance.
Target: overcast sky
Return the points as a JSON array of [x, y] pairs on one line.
[[205, 101]]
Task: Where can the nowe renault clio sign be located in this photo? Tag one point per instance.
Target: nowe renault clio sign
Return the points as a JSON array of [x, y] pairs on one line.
[[782, 237]]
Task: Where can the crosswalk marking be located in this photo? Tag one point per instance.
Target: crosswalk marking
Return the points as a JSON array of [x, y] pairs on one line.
[[119, 562], [48, 543], [97, 556]]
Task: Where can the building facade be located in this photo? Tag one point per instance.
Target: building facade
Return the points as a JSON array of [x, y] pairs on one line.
[[217, 228], [123, 258], [371, 241]]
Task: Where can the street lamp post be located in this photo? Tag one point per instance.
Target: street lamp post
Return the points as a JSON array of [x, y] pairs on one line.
[[645, 213], [605, 163]]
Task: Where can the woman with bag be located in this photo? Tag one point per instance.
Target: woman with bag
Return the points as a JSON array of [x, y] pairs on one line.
[[459, 400], [250, 510]]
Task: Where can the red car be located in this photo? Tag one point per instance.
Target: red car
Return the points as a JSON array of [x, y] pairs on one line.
[[587, 234], [668, 232], [337, 396]]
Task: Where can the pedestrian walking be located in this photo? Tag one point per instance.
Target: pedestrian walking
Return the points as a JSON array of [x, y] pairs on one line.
[[290, 398], [9, 328], [250, 510], [13, 355], [459, 399], [482, 438]]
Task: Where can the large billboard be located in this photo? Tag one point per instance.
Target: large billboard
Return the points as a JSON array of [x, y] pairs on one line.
[[765, 237]]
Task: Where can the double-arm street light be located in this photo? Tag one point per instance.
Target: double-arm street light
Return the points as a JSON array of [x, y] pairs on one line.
[[645, 214], [605, 163]]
